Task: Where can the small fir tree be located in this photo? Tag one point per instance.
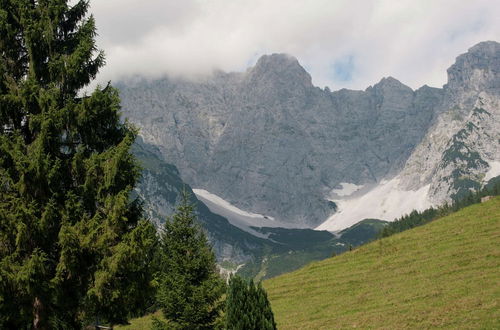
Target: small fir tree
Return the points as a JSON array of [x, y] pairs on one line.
[[72, 243], [190, 288], [247, 306]]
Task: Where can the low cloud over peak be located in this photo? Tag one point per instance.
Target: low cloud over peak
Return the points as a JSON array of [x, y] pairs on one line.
[[341, 43]]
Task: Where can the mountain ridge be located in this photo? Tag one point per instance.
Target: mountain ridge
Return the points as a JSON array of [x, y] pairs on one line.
[[270, 142]]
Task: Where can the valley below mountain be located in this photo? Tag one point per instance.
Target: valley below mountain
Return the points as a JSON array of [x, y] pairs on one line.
[[244, 242]]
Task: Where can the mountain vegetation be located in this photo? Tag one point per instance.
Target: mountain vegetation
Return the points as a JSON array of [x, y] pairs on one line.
[[75, 248], [73, 245], [443, 274], [295, 248], [189, 286], [247, 306]]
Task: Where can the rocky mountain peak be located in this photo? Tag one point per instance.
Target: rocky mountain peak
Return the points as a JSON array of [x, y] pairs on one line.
[[478, 69], [391, 83], [281, 69], [488, 48]]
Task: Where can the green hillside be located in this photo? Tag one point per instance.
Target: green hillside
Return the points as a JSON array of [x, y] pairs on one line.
[[443, 274]]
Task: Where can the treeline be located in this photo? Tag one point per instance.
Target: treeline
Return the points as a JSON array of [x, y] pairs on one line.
[[416, 218]]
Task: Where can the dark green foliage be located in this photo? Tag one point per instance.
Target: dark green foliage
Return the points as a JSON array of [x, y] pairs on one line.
[[411, 220], [363, 231], [332, 205], [463, 159], [158, 324], [415, 218], [493, 186], [292, 249], [72, 242], [190, 288], [247, 306], [297, 238]]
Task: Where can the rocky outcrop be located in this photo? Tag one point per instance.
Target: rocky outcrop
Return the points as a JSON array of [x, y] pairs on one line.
[[464, 140]]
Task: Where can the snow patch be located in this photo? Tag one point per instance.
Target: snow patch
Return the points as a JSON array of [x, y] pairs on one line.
[[225, 204], [238, 217], [347, 189], [493, 171], [385, 202]]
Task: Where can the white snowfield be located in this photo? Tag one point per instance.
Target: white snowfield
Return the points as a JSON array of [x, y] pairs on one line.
[[347, 189], [493, 171], [385, 202], [237, 217], [206, 195]]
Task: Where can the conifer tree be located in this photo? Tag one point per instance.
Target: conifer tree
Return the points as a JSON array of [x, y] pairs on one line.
[[190, 288], [247, 306], [72, 242]]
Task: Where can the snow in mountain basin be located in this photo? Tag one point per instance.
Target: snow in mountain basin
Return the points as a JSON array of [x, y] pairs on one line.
[[347, 189], [385, 202], [493, 171], [237, 217]]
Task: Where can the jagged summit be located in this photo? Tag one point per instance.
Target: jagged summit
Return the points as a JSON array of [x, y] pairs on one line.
[[390, 82], [477, 69], [280, 68], [277, 62], [485, 47]]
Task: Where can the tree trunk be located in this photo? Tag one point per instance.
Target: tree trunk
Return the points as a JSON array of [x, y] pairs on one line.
[[37, 314]]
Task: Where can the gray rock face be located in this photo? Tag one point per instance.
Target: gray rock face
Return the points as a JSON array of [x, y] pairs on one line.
[[270, 142], [160, 190], [476, 71], [464, 140]]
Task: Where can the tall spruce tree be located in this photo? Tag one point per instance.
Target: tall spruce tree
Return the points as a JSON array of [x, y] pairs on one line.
[[247, 306], [72, 242], [190, 288]]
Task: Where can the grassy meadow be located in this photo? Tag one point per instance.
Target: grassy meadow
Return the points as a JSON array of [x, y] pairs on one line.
[[444, 274]]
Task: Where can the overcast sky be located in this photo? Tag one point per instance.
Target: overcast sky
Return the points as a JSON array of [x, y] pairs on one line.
[[342, 44]]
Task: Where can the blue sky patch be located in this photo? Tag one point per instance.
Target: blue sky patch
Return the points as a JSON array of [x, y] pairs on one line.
[[343, 69]]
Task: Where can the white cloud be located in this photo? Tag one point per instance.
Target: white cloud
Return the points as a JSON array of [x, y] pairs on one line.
[[414, 41]]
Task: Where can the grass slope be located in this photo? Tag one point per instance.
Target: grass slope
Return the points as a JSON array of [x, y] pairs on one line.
[[443, 274], [141, 323]]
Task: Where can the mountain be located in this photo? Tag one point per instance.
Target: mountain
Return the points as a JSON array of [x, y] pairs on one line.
[[262, 251], [461, 150], [269, 142], [440, 275]]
